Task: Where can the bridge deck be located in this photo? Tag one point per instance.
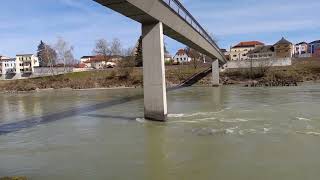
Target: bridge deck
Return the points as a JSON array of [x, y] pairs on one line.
[[178, 22]]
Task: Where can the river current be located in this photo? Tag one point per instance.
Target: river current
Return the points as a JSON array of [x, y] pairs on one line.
[[212, 133]]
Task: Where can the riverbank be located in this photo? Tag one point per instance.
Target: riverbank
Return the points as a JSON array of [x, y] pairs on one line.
[[109, 78], [300, 71]]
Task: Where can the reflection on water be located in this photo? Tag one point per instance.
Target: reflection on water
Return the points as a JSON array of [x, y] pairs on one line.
[[212, 133]]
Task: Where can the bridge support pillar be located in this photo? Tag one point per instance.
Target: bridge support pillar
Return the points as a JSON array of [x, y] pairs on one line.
[[155, 96], [215, 73]]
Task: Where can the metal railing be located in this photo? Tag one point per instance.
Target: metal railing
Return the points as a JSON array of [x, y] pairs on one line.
[[177, 7]]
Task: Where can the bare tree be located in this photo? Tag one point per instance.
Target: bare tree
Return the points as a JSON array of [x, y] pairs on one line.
[[116, 47], [128, 59], [102, 49], [49, 56], [128, 51], [64, 52], [195, 56]]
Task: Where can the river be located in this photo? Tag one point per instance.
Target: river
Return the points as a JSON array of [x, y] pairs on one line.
[[212, 133]]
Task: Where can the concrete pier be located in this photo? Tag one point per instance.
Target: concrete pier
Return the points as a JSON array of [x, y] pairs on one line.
[[155, 96], [215, 73]]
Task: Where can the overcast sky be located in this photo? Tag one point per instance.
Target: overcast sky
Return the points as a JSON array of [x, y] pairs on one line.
[[23, 23]]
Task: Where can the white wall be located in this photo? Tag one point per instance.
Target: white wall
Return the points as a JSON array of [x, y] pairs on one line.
[[258, 63]]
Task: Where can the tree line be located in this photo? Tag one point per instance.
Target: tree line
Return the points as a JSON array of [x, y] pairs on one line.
[[60, 54]]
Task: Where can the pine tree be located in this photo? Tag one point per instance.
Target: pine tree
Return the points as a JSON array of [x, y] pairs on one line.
[[138, 54], [46, 55], [41, 49]]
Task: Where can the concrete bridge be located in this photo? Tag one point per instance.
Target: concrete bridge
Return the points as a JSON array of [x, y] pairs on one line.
[[158, 18]]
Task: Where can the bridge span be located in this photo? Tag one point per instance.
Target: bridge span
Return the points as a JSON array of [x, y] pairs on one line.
[[158, 18]]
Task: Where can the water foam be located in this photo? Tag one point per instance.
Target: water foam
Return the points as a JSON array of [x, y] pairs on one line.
[[302, 119], [309, 133], [231, 130], [206, 119], [141, 120], [184, 122], [233, 120], [265, 130], [181, 115]]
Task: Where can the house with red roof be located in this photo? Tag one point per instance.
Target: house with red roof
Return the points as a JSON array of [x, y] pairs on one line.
[[181, 56]]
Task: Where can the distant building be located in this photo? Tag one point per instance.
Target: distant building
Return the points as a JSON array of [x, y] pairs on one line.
[[98, 63], [283, 49], [83, 59], [314, 48], [182, 56], [25, 63], [301, 48], [86, 61], [7, 65], [240, 51], [262, 52]]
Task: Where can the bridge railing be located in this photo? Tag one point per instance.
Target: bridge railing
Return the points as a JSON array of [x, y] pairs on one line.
[[176, 6]]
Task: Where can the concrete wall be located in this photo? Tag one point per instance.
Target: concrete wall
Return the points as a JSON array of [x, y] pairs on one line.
[[38, 72], [258, 63], [43, 71]]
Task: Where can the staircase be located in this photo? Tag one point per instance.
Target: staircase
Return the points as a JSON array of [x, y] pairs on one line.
[[195, 78]]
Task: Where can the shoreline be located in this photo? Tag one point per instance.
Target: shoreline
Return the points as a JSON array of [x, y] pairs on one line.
[[65, 89], [240, 84], [299, 73]]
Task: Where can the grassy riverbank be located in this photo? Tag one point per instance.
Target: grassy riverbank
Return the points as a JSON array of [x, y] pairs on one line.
[[110, 78], [300, 71]]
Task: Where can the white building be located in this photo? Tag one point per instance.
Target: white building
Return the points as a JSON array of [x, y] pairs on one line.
[[25, 63], [86, 60], [7, 65], [182, 56], [239, 52]]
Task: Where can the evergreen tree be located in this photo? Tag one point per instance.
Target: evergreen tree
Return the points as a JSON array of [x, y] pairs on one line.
[[165, 49], [41, 49], [138, 54], [46, 55]]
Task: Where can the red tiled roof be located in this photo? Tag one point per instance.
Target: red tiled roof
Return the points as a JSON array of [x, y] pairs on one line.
[[181, 52], [248, 44]]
